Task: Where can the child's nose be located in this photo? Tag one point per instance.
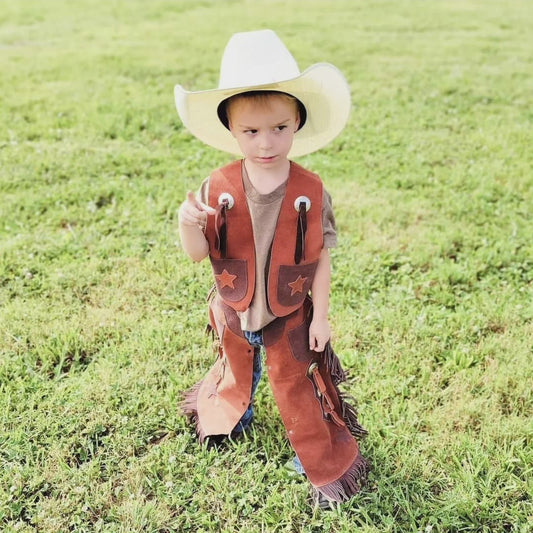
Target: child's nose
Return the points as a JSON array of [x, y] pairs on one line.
[[265, 141]]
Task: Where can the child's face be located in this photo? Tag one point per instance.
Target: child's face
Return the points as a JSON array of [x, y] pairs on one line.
[[264, 129]]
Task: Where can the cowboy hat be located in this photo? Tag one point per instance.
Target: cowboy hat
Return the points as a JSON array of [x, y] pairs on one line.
[[259, 61]]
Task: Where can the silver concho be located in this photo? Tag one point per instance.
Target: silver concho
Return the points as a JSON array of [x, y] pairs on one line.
[[226, 196], [301, 199]]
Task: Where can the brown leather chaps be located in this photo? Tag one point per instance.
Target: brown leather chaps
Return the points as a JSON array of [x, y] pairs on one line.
[[321, 425]]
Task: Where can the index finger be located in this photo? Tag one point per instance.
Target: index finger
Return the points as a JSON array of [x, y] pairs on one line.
[[191, 198]]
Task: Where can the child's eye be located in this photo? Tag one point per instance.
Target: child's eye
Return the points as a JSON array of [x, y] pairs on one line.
[[250, 132], [280, 128]]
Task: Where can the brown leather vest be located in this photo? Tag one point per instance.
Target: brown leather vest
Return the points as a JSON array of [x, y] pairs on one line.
[[288, 283]]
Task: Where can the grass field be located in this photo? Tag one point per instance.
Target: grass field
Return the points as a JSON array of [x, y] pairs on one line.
[[102, 315]]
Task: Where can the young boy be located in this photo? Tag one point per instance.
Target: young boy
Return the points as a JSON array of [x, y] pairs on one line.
[[266, 225]]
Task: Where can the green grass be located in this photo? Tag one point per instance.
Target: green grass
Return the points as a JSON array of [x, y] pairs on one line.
[[101, 314]]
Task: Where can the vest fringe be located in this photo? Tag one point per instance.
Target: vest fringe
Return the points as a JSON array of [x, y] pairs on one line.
[[189, 407], [349, 484]]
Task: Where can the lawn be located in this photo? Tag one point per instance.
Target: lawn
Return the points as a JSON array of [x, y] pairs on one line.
[[102, 315]]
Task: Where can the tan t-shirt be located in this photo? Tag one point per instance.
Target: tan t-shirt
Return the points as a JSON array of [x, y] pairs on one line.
[[264, 211]]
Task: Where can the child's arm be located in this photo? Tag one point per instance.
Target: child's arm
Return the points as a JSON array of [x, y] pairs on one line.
[[319, 330], [192, 217]]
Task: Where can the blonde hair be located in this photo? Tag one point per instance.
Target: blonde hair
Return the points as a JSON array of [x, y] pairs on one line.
[[261, 98]]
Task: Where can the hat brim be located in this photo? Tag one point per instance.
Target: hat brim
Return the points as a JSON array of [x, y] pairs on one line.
[[321, 88]]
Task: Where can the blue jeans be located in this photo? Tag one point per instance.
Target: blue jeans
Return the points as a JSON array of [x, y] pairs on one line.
[[255, 339]]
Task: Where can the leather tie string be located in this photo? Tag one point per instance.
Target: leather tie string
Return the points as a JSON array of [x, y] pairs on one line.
[[301, 228], [327, 406], [221, 227]]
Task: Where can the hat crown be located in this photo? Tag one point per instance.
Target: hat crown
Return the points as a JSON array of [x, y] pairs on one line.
[[256, 58]]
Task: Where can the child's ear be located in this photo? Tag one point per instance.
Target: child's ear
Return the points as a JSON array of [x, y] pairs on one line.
[[297, 122]]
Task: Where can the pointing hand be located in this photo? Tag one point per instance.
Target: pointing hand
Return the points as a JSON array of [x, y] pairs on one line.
[[192, 212]]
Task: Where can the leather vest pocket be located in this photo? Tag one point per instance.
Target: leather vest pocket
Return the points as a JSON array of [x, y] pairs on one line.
[[231, 278], [294, 282]]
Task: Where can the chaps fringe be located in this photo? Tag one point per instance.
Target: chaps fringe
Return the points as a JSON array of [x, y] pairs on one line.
[[333, 365], [189, 407], [349, 414], [338, 375], [349, 484]]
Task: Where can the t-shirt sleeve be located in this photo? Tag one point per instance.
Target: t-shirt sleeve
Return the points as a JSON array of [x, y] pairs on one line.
[[203, 192], [328, 221]]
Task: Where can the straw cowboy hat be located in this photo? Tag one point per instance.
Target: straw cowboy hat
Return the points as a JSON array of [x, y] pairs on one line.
[[258, 61]]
